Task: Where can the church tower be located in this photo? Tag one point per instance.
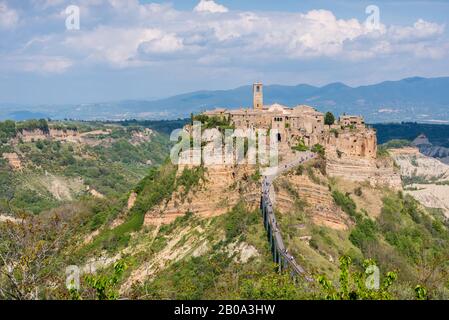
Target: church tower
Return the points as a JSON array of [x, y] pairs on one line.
[[258, 96]]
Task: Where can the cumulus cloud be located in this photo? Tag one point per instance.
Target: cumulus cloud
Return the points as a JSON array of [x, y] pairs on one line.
[[9, 17], [120, 46], [421, 29], [210, 6], [127, 33]]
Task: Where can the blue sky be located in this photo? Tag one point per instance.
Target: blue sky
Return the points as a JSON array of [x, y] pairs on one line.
[[126, 49]]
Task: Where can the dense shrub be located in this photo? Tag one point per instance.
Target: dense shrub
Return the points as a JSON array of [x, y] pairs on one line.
[[346, 203], [238, 221], [364, 233]]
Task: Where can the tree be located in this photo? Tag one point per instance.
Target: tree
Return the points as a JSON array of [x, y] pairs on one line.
[[105, 286], [353, 285], [329, 119], [271, 286], [7, 130], [7, 185], [28, 256]]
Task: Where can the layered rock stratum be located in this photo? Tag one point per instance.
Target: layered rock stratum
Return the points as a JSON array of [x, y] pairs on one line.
[[415, 166]]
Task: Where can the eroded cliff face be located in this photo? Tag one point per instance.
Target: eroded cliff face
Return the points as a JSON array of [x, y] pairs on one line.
[[378, 172], [415, 164], [361, 143], [315, 198], [427, 178], [55, 134], [224, 187], [13, 160]]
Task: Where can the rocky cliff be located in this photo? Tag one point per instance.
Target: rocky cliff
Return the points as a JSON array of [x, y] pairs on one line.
[[413, 163], [378, 172], [222, 190], [427, 177], [428, 149], [315, 198]]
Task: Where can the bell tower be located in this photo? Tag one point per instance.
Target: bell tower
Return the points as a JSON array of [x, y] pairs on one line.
[[258, 96]]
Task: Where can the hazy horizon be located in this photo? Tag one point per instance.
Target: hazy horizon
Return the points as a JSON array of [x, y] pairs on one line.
[[7, 103]]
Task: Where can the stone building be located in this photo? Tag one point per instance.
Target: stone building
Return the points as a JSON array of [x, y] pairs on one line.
[[355, 121], [258, 96], [304, 125]]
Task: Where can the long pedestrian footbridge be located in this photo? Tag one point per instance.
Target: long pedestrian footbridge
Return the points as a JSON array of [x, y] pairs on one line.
[[281, 257]]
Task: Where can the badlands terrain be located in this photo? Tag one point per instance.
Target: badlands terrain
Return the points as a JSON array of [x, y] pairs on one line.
[[102, 197]]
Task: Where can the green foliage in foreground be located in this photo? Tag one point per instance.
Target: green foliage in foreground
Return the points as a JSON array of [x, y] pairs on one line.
[[405, 237], [353, 285], [272, 286], [104, 286]]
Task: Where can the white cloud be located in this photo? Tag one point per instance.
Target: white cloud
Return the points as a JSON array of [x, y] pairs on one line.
[[127, 33], [210, 6], [162, 43], [120, 46], [421, 29], [9, 18]]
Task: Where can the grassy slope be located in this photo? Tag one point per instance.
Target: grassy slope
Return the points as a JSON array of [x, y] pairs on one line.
[[403, 236]]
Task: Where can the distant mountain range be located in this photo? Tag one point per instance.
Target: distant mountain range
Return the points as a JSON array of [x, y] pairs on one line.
[[411, 99]]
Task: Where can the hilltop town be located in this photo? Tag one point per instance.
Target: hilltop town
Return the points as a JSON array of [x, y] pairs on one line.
[[304, 125], [350, 146]]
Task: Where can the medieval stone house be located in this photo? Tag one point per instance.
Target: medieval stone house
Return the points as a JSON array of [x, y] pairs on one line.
[[304, 124]]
